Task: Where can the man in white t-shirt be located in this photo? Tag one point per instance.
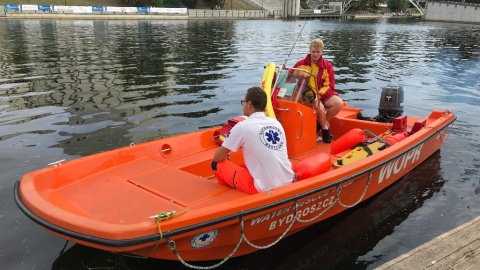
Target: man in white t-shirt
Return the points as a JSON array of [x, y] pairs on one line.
[[264, 147]]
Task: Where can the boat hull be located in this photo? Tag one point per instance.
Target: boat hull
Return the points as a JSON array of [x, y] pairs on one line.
[[109, 200], [265, 228]]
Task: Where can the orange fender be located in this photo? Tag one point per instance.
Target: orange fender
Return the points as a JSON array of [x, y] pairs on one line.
[[347, 141], [313, 165]]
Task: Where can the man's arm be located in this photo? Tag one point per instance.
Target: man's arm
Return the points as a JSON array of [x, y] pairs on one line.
[[221, 154], [328, 78]]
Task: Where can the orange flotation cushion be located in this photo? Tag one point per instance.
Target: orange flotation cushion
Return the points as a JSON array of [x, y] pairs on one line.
[[313, 165], [347, 141]]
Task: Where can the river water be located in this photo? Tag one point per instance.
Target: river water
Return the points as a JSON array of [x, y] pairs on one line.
[[74, 88]]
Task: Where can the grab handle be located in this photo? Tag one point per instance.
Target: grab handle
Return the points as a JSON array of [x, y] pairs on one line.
[[301, 125]]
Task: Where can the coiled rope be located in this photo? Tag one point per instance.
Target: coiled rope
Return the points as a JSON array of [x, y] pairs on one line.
[[162, 216]]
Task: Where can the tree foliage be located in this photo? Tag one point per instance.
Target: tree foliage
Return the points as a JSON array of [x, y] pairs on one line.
[[397, 5], [304, 4], [157, 3], [366, 5]]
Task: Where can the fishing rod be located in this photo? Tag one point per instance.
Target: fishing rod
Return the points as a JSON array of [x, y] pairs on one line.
[[286, 59]]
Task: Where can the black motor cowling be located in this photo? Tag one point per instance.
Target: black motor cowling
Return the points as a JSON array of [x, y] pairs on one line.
[[391, 103]]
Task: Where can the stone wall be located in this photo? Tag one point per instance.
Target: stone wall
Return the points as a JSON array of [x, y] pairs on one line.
[[270, 5], [453, 12]]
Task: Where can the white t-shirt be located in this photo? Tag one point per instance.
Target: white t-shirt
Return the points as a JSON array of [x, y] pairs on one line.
[[264, 146]]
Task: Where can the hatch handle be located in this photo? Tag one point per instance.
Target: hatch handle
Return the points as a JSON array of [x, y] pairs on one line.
[[301, 125]]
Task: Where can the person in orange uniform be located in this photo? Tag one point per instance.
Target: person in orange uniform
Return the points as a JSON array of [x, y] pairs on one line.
[[327, 102]]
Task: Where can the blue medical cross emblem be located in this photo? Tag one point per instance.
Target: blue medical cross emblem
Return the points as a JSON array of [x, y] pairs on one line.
[[272, 136]]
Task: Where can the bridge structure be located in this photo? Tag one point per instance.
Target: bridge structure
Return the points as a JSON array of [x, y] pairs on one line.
[[291, 8], [438, 10], [416, 3]]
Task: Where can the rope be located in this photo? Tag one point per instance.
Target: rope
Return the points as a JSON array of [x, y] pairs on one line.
[[447, 133], [172, 246], [321, 213], [339, 189], [63, 249], [162, 216], [279, 238]]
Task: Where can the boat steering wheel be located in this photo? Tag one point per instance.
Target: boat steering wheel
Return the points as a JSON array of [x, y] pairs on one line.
[[310, 97]]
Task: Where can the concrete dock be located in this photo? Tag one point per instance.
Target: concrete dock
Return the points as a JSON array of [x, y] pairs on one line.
[[457, 249]]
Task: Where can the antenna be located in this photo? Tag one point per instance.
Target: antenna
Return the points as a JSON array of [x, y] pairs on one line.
[[286, 59]]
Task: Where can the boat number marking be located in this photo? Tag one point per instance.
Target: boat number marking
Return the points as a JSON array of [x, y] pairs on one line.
[[400, 163], [302, 213], [280, 221], [204, 239]]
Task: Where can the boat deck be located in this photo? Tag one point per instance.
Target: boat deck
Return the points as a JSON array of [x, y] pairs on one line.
[[456, 249]]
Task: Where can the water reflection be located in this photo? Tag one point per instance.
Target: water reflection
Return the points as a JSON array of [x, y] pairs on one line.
[[135, 72]]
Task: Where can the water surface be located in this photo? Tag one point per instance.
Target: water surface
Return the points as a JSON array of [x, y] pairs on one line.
[[74, 88]]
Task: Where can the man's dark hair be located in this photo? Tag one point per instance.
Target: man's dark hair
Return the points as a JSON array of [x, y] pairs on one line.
[[258, 97]]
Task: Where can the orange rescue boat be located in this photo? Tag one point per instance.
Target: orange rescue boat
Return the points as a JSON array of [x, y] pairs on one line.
[[160, 199]]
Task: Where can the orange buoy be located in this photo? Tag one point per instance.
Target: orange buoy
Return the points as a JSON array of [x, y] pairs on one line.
[[347, 141], [313, 165]]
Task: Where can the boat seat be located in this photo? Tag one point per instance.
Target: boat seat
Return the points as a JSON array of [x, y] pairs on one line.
[[419, 124], [400, 124]]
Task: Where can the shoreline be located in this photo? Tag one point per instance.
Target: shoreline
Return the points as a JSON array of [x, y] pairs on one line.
[[235, 14], [191, 14]]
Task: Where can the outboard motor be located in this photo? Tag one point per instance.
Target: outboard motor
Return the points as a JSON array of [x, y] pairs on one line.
[[391, 104]]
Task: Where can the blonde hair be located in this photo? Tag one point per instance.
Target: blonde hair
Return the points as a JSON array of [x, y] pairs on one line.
[[317, 44]]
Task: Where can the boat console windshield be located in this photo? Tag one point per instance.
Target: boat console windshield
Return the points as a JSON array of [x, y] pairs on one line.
[[293, 84]]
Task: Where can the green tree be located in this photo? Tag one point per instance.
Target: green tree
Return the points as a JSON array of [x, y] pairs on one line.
[[365, 5], [157, 3], [397, 5]]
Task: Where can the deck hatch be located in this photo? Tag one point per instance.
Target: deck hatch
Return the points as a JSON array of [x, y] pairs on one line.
[[178, 186]]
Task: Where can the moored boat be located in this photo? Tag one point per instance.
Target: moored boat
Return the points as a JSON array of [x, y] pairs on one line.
[[160, 199]]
